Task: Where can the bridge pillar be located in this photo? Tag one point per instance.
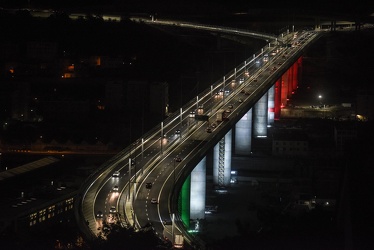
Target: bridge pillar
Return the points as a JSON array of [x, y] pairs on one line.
[[284, 90], [222, 161], [290, 76], [271, 103], [243, 134], [277, 99], [198, 188], [184, 201], [290, 81], [260, 117]]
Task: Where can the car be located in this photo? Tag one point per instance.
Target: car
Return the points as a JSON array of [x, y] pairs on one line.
[[115, 188], [154, 201], [106, 229], [178, 159], [192, 114], [209, 130], [240, 100], [230, 106], [213, 125], [148, 185], [116, 174], [99, 214], [113, 209], [228, 111], [255, 79], [177, 132]]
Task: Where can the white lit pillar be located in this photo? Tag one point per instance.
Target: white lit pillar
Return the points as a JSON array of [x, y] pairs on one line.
[[271, 99], [222, 161], [260, 117], [197, 189], [243, 134]]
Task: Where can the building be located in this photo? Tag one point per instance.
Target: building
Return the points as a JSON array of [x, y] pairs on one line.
[[30, 208], [290, 143], [344, 133]]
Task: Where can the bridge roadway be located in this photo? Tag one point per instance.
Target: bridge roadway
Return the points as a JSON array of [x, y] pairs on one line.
[[153, 157], [214, 28]]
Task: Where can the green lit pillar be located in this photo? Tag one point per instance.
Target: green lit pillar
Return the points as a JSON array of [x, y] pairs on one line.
[[184, 202]]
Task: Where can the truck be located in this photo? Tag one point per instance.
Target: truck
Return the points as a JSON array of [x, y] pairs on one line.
[[221, 115], [178, 241]]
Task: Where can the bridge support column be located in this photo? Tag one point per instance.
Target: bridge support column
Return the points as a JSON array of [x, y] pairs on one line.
[[260, 117], [284, 90], [184, 201], [290, 81], [271, 102], [277, 99], [198, 191], [243, 134], [298, 65], [222, 161]]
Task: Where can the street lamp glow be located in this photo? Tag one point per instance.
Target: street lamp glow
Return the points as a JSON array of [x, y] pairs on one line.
[[320, 97]]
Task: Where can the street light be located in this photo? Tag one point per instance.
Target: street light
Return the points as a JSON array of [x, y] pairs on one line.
[[320, 103], [174, 160]]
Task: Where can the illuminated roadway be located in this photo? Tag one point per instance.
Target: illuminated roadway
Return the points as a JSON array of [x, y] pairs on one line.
[[154, 154]]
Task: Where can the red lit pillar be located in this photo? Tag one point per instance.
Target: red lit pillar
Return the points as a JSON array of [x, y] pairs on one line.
[[290, 81], [277, 99], [299, 69], [295, 67], [284, 89]]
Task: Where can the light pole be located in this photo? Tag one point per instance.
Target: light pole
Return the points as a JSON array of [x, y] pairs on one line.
[[129, 196], [162, 136], [321, 106], [174, 171]]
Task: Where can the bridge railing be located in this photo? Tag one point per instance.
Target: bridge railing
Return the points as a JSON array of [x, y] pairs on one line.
[[210, 27], [154, 133]]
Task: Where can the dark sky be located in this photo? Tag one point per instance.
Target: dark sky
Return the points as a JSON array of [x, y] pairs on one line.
[[326, 5]]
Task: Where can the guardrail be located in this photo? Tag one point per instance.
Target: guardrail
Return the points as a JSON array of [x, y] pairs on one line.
[[91, 184]]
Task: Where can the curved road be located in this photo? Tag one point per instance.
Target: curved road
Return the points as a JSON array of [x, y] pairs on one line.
[[154, 157]]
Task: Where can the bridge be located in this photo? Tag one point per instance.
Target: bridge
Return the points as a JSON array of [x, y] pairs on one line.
[[160, 179]]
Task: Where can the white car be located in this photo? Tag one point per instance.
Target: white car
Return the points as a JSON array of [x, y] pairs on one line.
[[112, 209], [99, 214], [115, 189], [116, 174], [154, 201]]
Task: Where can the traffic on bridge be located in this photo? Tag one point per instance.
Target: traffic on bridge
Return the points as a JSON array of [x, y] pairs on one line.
[[141, 184]]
